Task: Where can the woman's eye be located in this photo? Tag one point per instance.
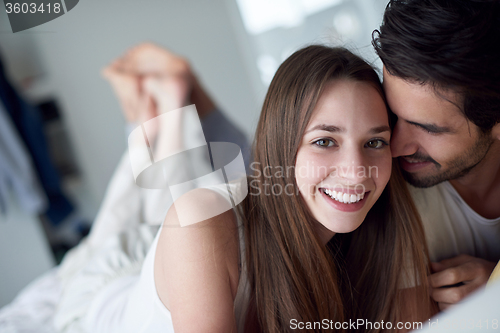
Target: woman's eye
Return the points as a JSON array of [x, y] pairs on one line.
[[324, 143], [376, 144]]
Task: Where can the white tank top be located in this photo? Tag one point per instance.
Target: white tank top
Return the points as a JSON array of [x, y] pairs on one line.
[[131, 303]]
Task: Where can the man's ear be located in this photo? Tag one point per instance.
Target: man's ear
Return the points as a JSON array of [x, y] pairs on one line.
[[495, 131]]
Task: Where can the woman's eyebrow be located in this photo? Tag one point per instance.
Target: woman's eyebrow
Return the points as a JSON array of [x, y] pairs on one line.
[[328, 128], [380, 129], [337, 129]]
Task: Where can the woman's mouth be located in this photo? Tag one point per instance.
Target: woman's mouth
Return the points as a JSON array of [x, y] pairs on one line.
[[346, 202], [343, 197]]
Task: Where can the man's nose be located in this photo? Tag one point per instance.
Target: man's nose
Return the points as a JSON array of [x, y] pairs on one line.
[[403, 140]]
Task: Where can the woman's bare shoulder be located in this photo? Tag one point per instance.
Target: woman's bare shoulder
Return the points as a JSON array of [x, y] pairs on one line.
[[196, 263]]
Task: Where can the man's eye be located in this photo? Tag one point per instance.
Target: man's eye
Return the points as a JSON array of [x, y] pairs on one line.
[[376, 144], [324, 143]]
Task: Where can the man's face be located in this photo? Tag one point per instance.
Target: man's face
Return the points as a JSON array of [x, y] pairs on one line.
[[432, 139]]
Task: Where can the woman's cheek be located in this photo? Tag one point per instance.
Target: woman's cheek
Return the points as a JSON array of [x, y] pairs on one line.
[[313, 167], [310, 169]]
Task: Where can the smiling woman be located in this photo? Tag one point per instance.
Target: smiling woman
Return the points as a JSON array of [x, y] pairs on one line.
[[357, 137], [325, 111], [315, 243]]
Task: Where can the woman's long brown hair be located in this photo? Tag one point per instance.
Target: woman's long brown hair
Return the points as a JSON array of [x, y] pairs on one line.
[[292, 275]]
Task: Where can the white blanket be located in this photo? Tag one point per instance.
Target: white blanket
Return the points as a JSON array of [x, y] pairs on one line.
[[32, 311]]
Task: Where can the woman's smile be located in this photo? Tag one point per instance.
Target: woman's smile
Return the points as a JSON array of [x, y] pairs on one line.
[[344, 201]]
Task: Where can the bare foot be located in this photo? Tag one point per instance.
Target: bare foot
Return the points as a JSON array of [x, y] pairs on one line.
[[150, 59], [127, 89]]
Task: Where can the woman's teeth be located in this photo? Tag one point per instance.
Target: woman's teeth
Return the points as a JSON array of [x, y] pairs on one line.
[[344, 197]]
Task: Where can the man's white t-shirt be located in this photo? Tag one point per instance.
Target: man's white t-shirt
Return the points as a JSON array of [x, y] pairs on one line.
[[452, 227]]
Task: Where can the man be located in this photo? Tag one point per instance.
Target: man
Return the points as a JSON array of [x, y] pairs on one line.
[[442, 81]]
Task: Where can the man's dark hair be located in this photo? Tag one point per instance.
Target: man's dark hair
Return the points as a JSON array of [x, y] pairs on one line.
[[449, 44]]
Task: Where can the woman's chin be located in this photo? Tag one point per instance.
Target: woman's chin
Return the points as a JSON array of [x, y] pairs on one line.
[[331, 226], [345, 227], [340, 222]]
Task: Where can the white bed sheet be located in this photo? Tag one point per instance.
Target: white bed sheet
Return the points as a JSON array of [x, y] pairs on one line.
[[33, 309]]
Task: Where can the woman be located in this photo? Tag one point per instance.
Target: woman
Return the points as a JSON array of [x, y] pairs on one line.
[[324, 115], [319, 240]]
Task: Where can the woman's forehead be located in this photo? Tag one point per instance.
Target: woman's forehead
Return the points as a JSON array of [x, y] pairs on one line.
[[349, 104]]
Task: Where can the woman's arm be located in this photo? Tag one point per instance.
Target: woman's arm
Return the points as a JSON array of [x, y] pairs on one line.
[[196, 266]]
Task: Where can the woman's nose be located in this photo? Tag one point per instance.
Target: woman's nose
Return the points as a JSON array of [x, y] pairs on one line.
[[353, 166]]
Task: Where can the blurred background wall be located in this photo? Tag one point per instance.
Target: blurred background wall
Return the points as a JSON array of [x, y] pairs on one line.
[[65, 56], [235, 46]]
